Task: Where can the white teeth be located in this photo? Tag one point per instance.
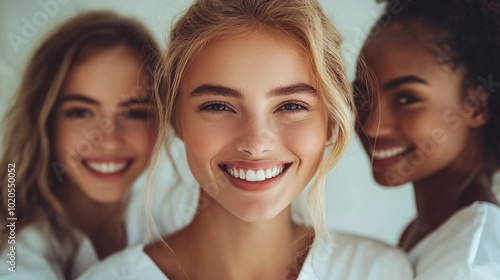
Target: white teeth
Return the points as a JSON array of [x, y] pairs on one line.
[[255, 175], [388, 153], [250, 176], [107, 167], [260, 176], [269, 173], [274, 171]]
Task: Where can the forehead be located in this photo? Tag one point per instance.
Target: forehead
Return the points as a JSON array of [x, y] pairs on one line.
[[404, 50], [109, 72], [249, 62]]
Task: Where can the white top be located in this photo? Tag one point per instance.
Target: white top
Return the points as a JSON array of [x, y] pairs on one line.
[[352, 258], [465, 247], [40, 255]]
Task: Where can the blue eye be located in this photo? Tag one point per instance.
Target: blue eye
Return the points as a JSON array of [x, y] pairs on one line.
[[215, 107], [78, 113], [293, 107]]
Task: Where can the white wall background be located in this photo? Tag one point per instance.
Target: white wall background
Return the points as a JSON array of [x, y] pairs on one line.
[[355, 203]]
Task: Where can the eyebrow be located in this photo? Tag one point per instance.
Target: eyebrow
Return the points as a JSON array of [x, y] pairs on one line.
[[229, 92], [85, 99], [292, 89], [78, 97], [136, 100], [215, 90], [392, 84]]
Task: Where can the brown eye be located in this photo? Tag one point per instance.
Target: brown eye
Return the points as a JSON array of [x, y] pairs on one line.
[[78, 113], [138, 114], [407, 100]]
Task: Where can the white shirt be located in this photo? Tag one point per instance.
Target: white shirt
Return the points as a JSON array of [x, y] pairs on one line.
[[40, 255], [351, 258], [465, 247]]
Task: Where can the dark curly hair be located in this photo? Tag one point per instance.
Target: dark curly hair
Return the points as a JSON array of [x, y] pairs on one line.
[[468, 38]]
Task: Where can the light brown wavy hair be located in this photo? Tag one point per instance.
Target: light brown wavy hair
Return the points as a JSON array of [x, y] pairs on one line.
[[28, 126]]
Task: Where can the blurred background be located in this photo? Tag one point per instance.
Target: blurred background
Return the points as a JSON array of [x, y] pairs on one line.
[[354, 202]]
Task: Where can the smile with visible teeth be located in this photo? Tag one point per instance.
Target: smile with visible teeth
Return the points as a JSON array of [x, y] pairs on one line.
[[107, 167], [255, 175], [389, 153]]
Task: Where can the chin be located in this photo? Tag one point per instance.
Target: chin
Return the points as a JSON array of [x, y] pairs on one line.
[[110, 198], [257, 214], [388, 181]]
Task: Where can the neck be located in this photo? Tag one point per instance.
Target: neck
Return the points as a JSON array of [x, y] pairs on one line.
[[259, 250], [101, 222], [440, 196]]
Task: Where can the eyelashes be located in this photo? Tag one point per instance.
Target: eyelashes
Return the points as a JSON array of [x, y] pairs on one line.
[[215, 107], [294, 106], [218, 107], [135, 114], [138, 114], [78, 113], [406, 99]]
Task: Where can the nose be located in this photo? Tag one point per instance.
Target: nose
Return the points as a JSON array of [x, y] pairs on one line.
[[112, 137], [257, 138], [378, 122]]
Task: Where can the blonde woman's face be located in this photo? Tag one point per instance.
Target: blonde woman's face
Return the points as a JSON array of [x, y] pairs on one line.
[[252, 123], [103, 136]]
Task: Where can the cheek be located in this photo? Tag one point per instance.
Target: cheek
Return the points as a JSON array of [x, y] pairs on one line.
[[203, 141], [451, 141], [307, 139], [141, 140], [202, 137], [438, 141], [66, 140]]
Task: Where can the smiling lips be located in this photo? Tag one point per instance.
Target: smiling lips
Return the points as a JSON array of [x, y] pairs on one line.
[[381, 154], [107, 167], [252, 175]]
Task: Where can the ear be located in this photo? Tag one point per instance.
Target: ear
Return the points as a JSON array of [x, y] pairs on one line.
[[332, 134], [177, 128], [328, 133], [476, 109]]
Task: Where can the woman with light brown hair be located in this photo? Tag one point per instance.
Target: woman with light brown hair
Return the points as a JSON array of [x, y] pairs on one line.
[[79, 133], [258, 93]]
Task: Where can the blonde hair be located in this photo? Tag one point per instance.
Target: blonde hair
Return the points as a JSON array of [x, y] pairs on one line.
[[28, 125], [303, 23]]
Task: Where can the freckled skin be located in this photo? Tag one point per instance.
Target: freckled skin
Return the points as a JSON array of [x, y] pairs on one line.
[[256, 129], [106, 130]]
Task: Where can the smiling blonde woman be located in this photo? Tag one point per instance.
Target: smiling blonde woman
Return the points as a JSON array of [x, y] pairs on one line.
[[257, 92]]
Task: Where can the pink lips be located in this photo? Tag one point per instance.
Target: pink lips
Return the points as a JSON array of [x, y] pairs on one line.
[[107, 168], [262, 184]]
